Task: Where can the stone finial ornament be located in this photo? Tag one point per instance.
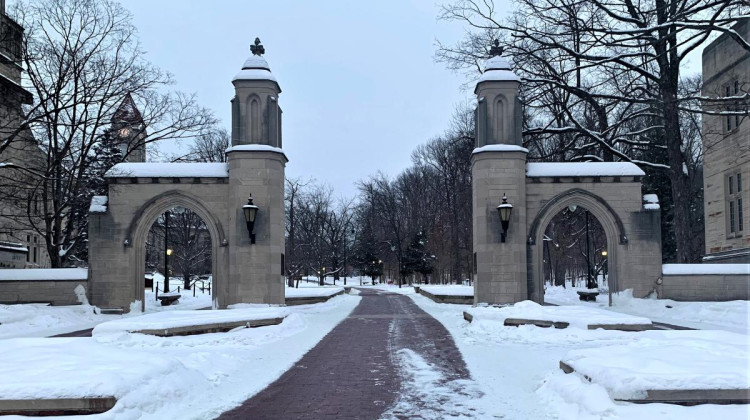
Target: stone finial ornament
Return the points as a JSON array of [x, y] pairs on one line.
[[258, 48], [496, 49]]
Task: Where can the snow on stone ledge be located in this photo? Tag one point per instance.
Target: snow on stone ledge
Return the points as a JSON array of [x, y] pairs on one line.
[[500, 148], [449, 290], [44, 274], [254, 148], [13, 247], [704, 269], [578, 169], [255, 74], [651, 202], [577, 316], [98, 204], [306, 292], [661, 360], [168, 170], [176, 319]]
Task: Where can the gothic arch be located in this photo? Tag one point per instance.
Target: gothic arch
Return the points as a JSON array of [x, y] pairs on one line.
[[253, 118], [598, 207], [145, 217]]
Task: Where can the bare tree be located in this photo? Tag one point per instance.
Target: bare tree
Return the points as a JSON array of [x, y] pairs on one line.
[[82, 58], [210, 146]]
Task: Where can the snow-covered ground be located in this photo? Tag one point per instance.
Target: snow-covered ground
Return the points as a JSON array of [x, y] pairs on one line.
[[517, 370], [449, 290], [191, 377], [730, 316], [312, 291]]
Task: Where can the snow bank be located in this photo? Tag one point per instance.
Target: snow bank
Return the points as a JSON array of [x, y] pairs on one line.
[[678, 360], [449, 290], [45, 274], [573, 169], [98, 204], [77, 367], [320, 291], [500, 148], [576, 316], [169, 170], [704, 269], [178, 318]]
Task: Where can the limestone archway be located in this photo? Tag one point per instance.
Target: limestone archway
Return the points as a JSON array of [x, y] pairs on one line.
[[598, 207], [145, 217]]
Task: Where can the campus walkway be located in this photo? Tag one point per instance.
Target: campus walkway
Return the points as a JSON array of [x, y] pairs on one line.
[[353, 373]]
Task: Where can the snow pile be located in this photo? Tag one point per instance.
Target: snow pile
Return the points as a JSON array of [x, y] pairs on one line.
[[169, 170], [730, 316], [500, 148], [678, 360], [449, 290], [570, 169], [98, 204], [305, 292], [576, 316], [705, 269], [651, 202], [178, 318], [45, 274], [41, 320]]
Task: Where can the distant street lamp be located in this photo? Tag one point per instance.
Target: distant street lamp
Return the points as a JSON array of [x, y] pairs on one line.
[[504, 210], [250, 210], [167, 252]]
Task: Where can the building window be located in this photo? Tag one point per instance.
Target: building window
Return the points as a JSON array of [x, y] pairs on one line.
[[734, 205], [731, 122]]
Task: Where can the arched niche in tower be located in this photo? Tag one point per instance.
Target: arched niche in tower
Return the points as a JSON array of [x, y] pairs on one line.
[[499, 112], [253, 119]]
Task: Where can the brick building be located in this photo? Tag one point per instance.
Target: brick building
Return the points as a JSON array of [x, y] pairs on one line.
[[726, 146]]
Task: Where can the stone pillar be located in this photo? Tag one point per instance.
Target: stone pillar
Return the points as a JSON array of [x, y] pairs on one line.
[[256, 166], [498, 167]]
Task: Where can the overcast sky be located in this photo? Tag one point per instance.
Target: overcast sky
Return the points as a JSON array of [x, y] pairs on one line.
[[360, 86]]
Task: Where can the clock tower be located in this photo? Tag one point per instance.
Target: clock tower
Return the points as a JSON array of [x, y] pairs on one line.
[[128, 131]]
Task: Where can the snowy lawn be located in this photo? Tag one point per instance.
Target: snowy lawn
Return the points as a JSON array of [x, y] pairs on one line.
[[517, 370], [190, 377], [449, 290], [730, 316], [576, 316]]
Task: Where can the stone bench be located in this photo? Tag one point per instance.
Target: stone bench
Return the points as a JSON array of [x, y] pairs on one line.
[[460, 300], [587, 296], [210, 328], [168, 298]]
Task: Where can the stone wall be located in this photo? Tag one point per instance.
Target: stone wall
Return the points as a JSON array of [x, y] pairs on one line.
[[705, 287], [55, 292]]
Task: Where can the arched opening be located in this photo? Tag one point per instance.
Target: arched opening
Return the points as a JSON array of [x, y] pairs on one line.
[[178, 260], [574, 255], [597, 208], [500, 119], [149, 213], [254, 124]]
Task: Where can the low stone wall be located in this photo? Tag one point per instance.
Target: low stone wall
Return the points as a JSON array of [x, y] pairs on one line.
[[41, 286], [679, 283]]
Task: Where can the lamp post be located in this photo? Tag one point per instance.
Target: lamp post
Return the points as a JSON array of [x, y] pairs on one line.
[[250, 210], [167, 251], [504, 210]]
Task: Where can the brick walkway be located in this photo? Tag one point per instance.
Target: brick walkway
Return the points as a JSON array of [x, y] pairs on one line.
[[353, 373]]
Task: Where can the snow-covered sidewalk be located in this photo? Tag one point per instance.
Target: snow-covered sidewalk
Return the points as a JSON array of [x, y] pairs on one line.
[[191, 377]]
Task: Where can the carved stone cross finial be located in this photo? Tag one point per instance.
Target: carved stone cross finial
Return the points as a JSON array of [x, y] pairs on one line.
[[257, 49], [496, 49]]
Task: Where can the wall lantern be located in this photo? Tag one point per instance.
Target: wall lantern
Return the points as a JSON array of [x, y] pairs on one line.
[[250, 210], [604, 253], [504, 210], [169, 251]]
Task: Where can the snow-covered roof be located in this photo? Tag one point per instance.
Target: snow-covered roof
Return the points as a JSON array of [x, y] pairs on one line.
[[41, 274], [500, 148], [256, 62], [704, 269], [98, 204], [168, 170], [255, 68], [577, 169], [497, 68]]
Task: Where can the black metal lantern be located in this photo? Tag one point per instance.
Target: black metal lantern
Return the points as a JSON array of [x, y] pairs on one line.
[[250, 210], [504, 210]]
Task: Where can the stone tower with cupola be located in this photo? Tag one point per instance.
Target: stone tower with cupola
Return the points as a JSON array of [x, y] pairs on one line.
[[498, 168], [256, 167], [128, 131]]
